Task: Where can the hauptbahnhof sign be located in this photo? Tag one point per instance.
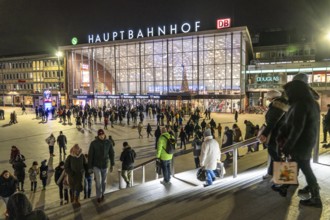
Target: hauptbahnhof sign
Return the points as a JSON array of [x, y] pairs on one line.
[[147, 32]]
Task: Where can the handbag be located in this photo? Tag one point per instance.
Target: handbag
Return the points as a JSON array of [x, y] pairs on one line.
[[285, 172], [201, 174]]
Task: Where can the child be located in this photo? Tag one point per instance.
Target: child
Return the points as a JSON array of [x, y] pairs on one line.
[[43, 174], [33, 173], [62, 182], [19, 167], [87, 181]]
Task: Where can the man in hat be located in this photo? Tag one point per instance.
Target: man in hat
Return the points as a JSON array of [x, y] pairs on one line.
[[209, 156], [100, 156]]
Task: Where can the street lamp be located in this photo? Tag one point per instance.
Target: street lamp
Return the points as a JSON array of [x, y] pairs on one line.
[[59, 54]]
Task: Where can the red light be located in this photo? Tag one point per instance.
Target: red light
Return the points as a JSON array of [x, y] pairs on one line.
[[223, 23]]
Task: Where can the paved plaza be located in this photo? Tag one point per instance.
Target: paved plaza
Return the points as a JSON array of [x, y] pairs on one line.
[[29, 136]]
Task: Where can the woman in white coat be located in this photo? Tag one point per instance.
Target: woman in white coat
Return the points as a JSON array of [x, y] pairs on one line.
[[209, 156]]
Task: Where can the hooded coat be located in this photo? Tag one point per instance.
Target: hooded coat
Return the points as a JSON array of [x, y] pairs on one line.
[[19, 207], [74, 167], [302, 121]]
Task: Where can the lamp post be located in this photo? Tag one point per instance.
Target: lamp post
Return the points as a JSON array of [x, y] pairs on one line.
[[59, 54]]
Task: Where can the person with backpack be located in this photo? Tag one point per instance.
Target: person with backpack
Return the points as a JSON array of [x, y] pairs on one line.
[[210, 155], [163, 156], [127, 158]]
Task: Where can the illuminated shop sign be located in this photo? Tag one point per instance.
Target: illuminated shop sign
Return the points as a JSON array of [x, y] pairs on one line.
[[268, 79], [47, 96], [141, 33], [142, 96]]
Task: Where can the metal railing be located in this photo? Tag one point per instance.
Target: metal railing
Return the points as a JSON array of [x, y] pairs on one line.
[[232, 148]]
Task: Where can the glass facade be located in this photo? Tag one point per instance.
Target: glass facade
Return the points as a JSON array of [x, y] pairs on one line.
[[202, 64]]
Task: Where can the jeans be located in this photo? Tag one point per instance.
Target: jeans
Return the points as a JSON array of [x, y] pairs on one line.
[[127, 175], [166, 169], [209, 177], [88, 186], [100, 180]]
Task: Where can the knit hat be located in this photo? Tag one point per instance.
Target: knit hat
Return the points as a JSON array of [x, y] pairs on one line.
[[44, 162], [207, 133], [100, 132], [302, 77], [273, 94]]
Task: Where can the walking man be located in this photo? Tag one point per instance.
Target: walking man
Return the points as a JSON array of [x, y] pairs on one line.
[[61, 141], [127, 158], [164, 157], [100, 156]]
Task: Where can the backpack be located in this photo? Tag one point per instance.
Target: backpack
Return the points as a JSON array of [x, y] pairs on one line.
[[170, 144]]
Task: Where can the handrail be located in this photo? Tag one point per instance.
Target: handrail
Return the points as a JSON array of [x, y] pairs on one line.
[[230, 148]]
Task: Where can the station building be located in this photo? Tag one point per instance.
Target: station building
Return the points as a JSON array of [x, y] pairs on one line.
[[175, 65]]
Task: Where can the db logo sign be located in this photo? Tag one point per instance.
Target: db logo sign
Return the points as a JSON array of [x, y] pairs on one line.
[[223, 23]]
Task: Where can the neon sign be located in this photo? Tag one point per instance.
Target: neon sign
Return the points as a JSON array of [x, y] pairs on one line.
[[148, 32]]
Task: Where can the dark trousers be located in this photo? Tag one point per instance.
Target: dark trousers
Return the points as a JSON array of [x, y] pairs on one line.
[[197, 162], [51, 149], [62, 148], [44, 182], [64, 192], [272, 151], [34, 186], [305, 167], [166, 169], [183, 141]]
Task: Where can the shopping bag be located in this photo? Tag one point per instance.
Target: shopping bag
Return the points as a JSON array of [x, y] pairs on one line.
[[220, 171], [201, 174], [285, 173]]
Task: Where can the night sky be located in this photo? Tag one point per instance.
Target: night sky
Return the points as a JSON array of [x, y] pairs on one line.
[[34, 26]]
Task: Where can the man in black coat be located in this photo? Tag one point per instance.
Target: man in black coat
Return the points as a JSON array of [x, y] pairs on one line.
[[127, 158], [299, 135]]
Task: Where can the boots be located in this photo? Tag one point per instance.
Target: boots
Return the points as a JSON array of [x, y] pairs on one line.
[[315, 200], [305, 190], [76, 201]]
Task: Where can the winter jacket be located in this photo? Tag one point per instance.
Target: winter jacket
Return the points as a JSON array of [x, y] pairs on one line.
[[50, 140], [127, 157], [33, 173], [274, 119], [302, 121], [250, 130], [101, 154], [19, 167], [161, 146], [227, 138], [237, 135], [210, 153], [61, 140], [74, 167], [43, 172], [7, 186]]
